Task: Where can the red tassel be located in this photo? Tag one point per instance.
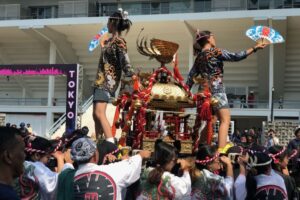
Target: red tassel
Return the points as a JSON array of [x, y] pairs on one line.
[[122, 141], [136, 85], [209, 132], [176, 69], [177, 74], [206, 113], [116, 117]]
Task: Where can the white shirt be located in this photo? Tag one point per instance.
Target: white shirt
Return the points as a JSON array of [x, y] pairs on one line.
[[45, 178], [272, 141], [122, 173], [240, 187], [272, 179], [261, 180]]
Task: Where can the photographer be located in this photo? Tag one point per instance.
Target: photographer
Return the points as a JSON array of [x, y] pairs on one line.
[[272, 139], [206, 184], [158, 182], [38, 181]]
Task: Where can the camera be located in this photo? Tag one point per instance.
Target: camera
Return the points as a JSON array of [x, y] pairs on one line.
[[52, 162]]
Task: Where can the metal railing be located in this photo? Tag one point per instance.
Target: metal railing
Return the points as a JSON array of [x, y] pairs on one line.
[[81, 109], [264, 104], [58, 123], [84, 9], [31, 101]]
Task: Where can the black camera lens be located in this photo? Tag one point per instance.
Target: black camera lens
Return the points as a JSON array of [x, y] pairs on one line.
[[52, 162]]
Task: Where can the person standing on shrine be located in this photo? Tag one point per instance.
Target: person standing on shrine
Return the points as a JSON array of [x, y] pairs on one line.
[[209, 64]]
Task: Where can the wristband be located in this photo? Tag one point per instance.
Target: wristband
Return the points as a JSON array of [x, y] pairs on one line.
[[254, 49]]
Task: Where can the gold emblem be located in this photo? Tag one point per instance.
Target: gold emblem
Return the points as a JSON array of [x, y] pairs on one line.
[[100, 79], [106, 66], [167, 90]]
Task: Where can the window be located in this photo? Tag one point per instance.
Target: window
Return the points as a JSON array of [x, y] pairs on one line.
[[180, 6], [146, 8], [278, 4], [164, 7], [160, 8], [108, 8], [264, 4], [73, 8], [202, 6], [252, 4], [9, 11], [288, 3], [155, 8], [296, 4], [258, 4], [133, 8], [43, 12]]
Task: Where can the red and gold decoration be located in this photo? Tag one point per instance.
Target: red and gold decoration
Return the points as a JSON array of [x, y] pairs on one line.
[[161, 92]]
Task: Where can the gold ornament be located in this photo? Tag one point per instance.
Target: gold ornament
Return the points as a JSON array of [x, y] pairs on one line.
[[137, 103], [128, 123], [214, 101], [123, 134], [114, 101], [118, 122], [167, 90], [164, 96], [146, 83]]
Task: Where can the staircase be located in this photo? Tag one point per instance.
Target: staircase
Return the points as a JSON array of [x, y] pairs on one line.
[[2, 119], [85, 118], [292, 70]]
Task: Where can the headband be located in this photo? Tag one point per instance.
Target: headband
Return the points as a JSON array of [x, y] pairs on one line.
[[199, 37], [29, 148], [111, 153], [207, 159], [124, 14]]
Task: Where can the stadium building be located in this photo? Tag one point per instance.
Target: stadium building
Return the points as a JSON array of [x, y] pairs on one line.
[[59, 32]]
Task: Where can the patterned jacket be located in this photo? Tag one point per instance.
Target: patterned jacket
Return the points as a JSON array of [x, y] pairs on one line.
[[212, 186], [209, 64], [113, 60], [171, 187]]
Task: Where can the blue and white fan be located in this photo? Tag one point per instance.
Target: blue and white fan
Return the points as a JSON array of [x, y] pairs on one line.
[[94, 43], [264, 35]]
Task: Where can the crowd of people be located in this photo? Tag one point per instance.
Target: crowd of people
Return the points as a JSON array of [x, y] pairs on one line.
[[86, 170], [25, 129]]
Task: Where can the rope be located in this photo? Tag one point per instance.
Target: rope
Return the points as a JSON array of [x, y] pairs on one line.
[[31, 150], [111, 153], [207, 160]]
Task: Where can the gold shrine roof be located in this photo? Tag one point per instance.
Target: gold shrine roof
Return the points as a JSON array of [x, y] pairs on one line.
[[169, 96]]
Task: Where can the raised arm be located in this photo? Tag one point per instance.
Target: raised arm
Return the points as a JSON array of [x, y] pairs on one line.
[[230, 56]]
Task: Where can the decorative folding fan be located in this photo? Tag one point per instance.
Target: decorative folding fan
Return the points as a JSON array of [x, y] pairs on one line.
[[95, 41], [264, 35]]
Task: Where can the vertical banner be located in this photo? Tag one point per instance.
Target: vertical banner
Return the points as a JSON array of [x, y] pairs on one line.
[[71, 108], [70, 70]]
